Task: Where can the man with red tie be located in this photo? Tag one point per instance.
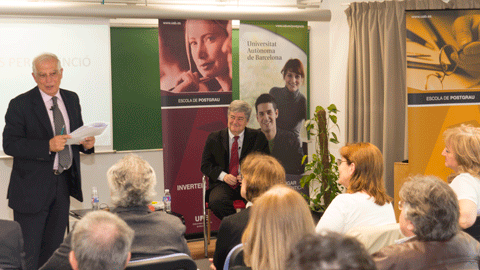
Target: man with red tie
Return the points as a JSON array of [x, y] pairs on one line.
[[224, 150]]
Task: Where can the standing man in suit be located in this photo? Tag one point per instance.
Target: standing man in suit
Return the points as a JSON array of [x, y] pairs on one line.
[[45, 170], [223, 152], [283, 144]]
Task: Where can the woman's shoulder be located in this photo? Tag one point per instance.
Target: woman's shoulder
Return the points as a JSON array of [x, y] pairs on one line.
[[466, 177]]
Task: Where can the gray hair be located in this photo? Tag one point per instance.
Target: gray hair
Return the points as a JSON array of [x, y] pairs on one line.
[[101, 240], [432, 206], [131, 181], [240, 106], [42, 57]]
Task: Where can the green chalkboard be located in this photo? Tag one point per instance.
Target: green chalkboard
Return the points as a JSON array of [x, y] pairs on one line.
[[136, 110]]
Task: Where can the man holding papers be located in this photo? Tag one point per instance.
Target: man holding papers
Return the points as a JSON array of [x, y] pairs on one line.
[[46, 171]]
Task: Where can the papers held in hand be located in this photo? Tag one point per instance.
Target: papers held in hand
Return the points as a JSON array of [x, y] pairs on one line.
[[93, 129]]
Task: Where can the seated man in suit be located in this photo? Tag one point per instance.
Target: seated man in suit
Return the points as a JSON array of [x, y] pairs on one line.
[[12, 255], [283, 144], [223, 152], [101, 240], [429, 218]]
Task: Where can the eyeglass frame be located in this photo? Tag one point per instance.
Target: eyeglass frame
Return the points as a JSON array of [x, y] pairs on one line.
[[443, 67]]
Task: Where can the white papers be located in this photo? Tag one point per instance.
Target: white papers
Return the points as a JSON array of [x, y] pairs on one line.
[[93, 129]]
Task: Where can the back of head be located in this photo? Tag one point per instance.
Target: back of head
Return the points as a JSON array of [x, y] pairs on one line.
[[329, 251], [465, 143], [432, 206], [368, 174], [132, 181], [101, 240], [237, 106], [260, 172], [278, 219]]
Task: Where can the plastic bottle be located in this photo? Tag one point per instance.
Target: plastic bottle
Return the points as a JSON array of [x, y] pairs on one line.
[[167, 201], [95, 200]]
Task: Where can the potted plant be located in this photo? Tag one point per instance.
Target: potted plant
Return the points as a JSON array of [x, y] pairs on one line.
[[321, 173]]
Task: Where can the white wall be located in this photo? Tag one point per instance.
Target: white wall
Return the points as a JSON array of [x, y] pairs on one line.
[[328, 60]]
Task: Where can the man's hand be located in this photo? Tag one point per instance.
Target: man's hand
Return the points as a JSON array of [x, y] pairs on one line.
[[58, 142], [466, 29], [88, 143], [230, 179]]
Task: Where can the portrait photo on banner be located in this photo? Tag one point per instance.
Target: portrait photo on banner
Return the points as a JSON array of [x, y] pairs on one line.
[[195, 56], [274, 80]]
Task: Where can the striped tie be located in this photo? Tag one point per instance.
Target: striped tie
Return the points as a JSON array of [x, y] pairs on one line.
[[64, 159]]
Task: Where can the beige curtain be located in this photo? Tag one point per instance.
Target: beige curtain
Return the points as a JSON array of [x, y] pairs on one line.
[[376, 90]]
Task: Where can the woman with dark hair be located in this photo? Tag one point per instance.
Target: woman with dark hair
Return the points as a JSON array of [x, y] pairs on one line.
[[209, 56], [291, 104], [462, 155], [366, 202]]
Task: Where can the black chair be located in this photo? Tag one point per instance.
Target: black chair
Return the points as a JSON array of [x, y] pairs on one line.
[[234, 257], [179, 261], [474, 230]]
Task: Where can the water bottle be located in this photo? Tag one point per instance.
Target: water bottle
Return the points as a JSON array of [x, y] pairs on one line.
[[95, 200], [167, 201]]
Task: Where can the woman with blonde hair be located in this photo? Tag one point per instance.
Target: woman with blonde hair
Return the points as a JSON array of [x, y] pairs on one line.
[[462, 155], [366, 202], [279, 218], [259, 173]]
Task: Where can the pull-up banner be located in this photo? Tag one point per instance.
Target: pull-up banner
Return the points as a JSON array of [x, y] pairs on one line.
[[274, 59], [196, 86], [443, 75]]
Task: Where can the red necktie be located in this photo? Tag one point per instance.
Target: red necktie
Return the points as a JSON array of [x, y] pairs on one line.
[[234, 162]]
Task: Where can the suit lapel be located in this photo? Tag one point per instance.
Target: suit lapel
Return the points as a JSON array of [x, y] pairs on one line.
[[41, 111], [70, 111], [245, 145]]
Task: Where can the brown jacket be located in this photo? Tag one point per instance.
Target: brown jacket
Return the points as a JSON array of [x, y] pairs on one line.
[[460, 252]]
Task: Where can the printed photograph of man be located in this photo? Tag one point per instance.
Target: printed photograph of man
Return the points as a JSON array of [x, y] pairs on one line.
[[283, 144]]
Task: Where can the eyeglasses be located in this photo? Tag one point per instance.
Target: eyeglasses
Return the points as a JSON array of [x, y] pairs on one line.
[[447, 58], [339, 161]]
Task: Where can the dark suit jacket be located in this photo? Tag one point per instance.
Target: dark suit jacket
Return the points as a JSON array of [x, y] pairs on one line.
[[229, 235], [216, 153], [287, 149], [26, 137], [11, 246]]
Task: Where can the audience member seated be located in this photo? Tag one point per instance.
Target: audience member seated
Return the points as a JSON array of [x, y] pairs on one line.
[[12, 255], [101, 240], [429, 218], [327, 251], [462, 155], [259, 172], [366, 202], [131, 182], [278, 219]]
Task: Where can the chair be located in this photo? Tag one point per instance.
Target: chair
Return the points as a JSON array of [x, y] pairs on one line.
[[178, 261], [474, 230], [206, 215], [376, 237], [234, 257]]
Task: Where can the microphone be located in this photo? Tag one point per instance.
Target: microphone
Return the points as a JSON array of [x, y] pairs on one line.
[[53, 107]]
